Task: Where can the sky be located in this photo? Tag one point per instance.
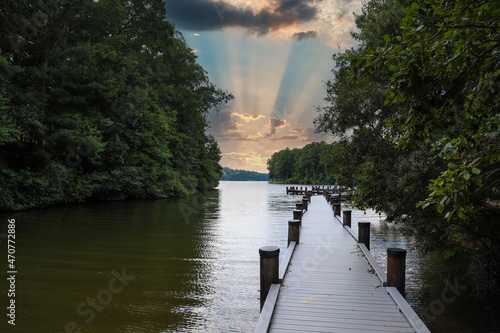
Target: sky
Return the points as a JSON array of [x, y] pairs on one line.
[[274, 56]]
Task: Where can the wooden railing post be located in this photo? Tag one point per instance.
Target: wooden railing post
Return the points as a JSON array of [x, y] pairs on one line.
[[293, 231], [346, 218], [336, 209], [297, 215], [269, 270], [364, 233], [396, 269]]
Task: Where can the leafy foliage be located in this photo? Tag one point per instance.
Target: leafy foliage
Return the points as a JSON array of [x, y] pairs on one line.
[[433, 81], [232, 174], [300, 166], [100, 100]]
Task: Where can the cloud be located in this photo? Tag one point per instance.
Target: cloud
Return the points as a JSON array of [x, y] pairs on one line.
[[215, 15], [274, 123], [312, 136], [286, 137], [253, 159], [230, 126], [247, 117], [305, 35]]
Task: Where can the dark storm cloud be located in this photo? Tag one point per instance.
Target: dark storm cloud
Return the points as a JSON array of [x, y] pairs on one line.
[[273, 124], [305, 35], [212, 15]]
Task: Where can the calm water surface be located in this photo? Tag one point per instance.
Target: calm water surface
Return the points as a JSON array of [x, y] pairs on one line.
[[188, 265]]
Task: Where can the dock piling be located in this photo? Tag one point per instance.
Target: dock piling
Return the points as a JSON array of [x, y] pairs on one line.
[[269, 270], [396, 269], [336, 209], [305, 201], [293, 231], [346, 218], [297, 215], [364, 233]]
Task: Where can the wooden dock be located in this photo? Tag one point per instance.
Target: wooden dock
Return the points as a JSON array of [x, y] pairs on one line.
[[337, 191], [332, 284]]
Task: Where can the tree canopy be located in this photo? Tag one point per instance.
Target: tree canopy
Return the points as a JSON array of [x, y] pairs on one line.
[[417, 106], [300, 166], [100, 100], [237, 174]]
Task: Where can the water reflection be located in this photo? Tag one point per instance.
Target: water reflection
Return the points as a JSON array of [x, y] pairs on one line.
[[66, 257], [194, 263]]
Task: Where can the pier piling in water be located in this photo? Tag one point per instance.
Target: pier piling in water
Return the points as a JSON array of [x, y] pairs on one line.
[[305, 202], [364, 233], [396, 269], [297, 215], [269, 270], [336, 209], [293, 231], [346, 218]]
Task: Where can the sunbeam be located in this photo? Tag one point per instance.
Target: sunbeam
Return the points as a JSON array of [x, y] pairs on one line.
[[274, 67]]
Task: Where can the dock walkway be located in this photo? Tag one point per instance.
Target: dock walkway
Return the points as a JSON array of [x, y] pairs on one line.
[[330, 286]]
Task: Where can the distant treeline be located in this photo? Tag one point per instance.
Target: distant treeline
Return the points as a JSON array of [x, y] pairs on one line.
[[100, 100], [300, 166], [232, 174]]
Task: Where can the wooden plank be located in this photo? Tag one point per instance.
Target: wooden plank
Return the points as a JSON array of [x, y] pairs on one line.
[[338, 321], [344, 313], [295, 326], [286, 260], [268, 309], [407, 311], [332, 284], [373, 262]]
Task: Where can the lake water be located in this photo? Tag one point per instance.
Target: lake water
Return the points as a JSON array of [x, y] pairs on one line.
[[191, 265]]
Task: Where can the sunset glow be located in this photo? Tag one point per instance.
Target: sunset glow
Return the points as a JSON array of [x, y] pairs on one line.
[[274, 57]]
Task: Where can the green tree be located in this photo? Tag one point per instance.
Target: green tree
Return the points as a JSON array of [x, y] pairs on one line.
[[437, 75], [101, 100], [243, 175], [300, 166]]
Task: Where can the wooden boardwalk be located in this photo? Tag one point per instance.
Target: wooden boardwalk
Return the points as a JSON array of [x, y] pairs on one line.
[[330, 286]]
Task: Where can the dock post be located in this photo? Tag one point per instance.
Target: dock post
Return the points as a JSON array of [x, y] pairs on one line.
[[346, 218], [293, 231], [297, 215], [305, 200], [364, 233], [269, 270], [299, 206], [336, 209], [396, 267]]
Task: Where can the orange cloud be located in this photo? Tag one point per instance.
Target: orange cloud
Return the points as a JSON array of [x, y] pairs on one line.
[[247, 117]]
